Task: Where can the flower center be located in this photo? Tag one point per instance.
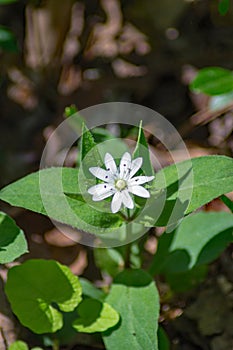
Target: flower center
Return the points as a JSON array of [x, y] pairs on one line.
[[120, 184]]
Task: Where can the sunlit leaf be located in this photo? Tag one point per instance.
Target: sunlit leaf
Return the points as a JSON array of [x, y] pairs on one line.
[[211, 177], [38, 289], [55, 192], [95, 316], [18, 345]]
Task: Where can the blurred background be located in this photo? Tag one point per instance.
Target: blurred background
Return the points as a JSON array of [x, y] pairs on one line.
[[56, 53]]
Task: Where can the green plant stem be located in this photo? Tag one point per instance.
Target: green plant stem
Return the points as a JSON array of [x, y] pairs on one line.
[[227, 202], [128, 246], [56, 344]]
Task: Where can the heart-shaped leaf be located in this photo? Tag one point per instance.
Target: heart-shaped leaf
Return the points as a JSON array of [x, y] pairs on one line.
[[33, 289]]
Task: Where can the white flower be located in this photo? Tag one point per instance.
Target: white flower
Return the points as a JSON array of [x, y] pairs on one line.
[[119, 183]]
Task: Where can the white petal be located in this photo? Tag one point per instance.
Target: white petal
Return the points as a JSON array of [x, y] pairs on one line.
[[135, 166], [127, 200], [139, 191], [139, 180], [116, 202], [101, 191], [110, 163], [101, 174], [125, 165]]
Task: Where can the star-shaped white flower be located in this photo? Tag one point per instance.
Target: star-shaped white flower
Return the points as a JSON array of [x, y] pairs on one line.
[[119, 182]]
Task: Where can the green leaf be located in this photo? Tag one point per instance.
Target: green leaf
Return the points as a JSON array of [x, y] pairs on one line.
[[109, 260], [7, 40], [142, 150], [163, 340], [213, 81], [87, 144], [33, 289], [55, 192], [18, 345], [199, 239], [12, 240], [223, 7], [211, 177], [134, 295], [90, 290], [95, 316]]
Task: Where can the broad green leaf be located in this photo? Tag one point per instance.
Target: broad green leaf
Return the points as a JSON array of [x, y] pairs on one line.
[[199, 239], [223, 6], [18, 345], [134, 295], [109, 260], [220, 101], [7, 40], [212, 177], [163, 340], [90, 290], [95, 316], [213, 81], [12, 240], [33, 289], [142, 150], [55, 192]]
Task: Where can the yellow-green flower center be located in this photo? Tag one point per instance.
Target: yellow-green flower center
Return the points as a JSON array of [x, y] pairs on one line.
[[120, 184]]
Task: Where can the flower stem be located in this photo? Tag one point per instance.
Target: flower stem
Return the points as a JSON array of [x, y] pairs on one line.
[[55, 345], [128, 246]]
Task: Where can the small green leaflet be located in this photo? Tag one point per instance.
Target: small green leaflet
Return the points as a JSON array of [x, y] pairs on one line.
[[12, 240], [95, 316], [223, 7], [213, 81]]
